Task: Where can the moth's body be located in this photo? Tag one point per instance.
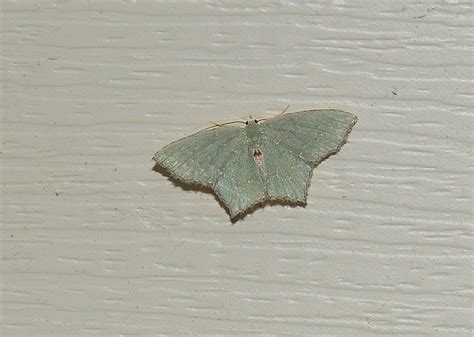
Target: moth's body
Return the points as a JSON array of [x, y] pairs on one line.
[[266, 160], [255, 138]]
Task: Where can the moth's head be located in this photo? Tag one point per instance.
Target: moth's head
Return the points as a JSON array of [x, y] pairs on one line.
[[252, 126], [251, 121]]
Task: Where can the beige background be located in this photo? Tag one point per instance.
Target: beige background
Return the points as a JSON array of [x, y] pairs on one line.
[[94, 243]]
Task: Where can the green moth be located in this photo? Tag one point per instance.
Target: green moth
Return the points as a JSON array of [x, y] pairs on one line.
[[266, 160]]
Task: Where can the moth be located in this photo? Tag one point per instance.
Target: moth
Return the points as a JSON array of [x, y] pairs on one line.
[[262, 160]]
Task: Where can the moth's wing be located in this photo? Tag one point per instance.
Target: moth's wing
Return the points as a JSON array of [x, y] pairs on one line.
[[295, 143], [286, 175], [199, 158], [217, 158], [240, 184]]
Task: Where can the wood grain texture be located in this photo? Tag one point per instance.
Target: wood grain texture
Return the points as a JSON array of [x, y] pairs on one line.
[[95, 243]]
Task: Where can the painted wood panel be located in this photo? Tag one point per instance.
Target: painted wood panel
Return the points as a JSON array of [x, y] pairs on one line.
[[95, 243]]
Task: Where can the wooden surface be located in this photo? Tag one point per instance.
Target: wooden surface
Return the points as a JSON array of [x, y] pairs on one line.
[[95, 243]]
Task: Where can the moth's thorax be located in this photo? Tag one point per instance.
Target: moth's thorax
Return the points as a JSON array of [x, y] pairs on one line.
[[253, 130], [254, 134]]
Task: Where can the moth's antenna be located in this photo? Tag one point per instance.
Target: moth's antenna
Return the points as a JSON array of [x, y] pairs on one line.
[[281, 113], [216, 125]]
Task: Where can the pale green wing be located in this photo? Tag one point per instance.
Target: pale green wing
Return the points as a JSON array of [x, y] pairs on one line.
[[217, 158], [294, 143], [199, 158], [286, 174], [240, 185]]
